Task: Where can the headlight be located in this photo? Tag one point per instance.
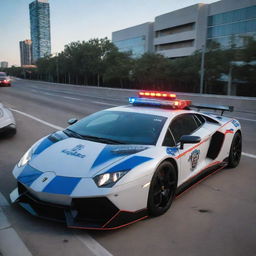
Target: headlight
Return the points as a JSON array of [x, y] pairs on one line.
[[108, 179], [26, 157]]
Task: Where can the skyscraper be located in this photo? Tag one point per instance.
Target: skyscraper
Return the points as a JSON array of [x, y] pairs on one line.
[[40, 29], [4, 64], [25, 52]]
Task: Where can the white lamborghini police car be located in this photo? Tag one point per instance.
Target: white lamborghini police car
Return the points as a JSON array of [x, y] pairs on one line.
[[123, 164], [7, 122]]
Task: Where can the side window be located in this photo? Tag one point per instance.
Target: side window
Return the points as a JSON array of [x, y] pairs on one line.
[[199, 119], [183, 125], [168, 140]]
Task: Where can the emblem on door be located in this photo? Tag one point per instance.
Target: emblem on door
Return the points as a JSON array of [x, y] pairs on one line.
[[194, 157]]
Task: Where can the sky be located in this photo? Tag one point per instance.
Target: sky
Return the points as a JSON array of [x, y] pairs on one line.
[[73, 20]]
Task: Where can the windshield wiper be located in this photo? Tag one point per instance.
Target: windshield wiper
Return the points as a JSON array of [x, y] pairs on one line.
[[103, 140], [71, 133]]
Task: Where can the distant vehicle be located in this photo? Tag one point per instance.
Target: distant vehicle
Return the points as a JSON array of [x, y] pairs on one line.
[[120, 165], [7, 122], [4, 79]]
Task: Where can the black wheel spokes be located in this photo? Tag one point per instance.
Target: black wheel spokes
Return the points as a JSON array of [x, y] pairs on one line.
[[163, 188], [237, 149]]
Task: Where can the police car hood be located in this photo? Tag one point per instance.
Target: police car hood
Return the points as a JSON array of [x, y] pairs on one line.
[[74, 157]]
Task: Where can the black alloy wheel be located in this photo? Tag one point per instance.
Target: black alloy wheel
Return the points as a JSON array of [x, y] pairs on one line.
[[162, 189], [235, 150]]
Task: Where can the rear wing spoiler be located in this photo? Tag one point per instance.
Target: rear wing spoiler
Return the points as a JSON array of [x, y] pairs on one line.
[[213, 107]]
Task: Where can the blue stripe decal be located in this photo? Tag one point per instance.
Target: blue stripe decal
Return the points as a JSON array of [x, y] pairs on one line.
[[28, 175], [129, 164], [107, 154], [43, 145], [62, 185]]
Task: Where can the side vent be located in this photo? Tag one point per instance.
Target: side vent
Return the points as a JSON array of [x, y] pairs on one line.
[[215, 145]]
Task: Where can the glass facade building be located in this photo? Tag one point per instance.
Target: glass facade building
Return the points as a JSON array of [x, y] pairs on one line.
[[40, 29], [232, 27], [137, 46], [25, 52]]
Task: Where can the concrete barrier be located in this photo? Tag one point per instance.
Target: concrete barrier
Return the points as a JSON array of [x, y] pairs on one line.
[[241, 104]]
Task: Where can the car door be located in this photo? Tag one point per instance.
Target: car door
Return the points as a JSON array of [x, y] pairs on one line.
[[192, 158]]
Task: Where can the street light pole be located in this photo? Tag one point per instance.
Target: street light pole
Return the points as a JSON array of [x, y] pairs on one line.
[[202, 70], [229, 79]]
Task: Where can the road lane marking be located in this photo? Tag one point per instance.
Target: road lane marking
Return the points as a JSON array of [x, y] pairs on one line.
[[37, 119], [93, 245], [249, 155], [55, 95], [83, 94], [71, 98], [103, 103]]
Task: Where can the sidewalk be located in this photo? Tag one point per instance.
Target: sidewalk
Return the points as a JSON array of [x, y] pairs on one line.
[[10, 242]]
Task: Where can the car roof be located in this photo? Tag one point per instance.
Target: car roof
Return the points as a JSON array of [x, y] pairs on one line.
[[169, 113]]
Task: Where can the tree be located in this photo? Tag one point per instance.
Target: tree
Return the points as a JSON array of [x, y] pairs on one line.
[[118, 66], [151, 71]]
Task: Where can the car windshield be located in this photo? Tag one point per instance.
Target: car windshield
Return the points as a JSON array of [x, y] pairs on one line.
[[114, 127], [2, 74]]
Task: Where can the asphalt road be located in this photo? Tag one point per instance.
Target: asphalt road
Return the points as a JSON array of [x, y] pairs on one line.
[[217, 217]]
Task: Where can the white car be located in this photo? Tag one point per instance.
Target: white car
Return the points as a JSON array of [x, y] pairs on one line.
[[7, 122], [123, 164]]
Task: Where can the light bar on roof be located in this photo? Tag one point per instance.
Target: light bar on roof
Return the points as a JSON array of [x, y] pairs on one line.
[[157, 94], [174, 104]]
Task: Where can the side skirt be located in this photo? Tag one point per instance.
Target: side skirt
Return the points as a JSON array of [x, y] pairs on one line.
[[203, 174]]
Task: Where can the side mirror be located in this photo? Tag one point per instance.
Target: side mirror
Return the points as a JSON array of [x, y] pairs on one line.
[[188, 139], [72, 121]]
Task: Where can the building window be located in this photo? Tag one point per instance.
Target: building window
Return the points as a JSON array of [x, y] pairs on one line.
[[175, 30], [136, 45], [176, 45], [232, 16], [232, 27]]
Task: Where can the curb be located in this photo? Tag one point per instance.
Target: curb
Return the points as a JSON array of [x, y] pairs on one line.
[[10, 242]]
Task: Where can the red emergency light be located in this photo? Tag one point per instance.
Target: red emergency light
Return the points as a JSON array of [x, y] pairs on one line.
[[157, 94], [159, 99]]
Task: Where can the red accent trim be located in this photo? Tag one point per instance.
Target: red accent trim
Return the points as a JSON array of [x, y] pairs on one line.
[[197, 145], [129, 223], [229, 131], [209, 165], [111, 219], [217, 162], [110, 228], [225, 124]]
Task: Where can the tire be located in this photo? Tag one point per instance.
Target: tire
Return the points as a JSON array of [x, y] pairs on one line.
[[235, 151], [162, 189]]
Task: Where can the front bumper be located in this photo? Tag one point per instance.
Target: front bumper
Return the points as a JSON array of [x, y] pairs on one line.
[[97, 213], [9, 128], [5, 83]]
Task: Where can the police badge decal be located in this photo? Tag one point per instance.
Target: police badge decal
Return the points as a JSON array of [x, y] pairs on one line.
[[194, 157]]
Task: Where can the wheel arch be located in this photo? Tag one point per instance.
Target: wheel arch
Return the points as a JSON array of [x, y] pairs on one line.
[[174, 163], [239, 131]]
